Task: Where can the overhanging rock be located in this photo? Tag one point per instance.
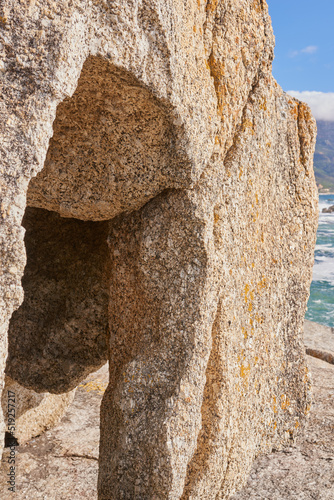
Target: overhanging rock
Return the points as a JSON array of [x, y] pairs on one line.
[[170, 225]]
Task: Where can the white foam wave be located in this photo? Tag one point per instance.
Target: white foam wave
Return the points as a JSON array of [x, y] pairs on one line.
[[323, 270], [324, 247]]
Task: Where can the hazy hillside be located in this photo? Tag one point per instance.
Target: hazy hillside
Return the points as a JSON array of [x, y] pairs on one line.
[[324, 155]]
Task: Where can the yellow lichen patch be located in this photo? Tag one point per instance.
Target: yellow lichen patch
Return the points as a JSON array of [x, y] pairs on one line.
[[259, 318], [257, 6], [216, 218], [95, 385], [304, 111], [248, 125], [211, 5], [294, 111], [3, 19], [262, 285], [274, 405], [285, 402], [245, 371], [217, 71], [263, 104]]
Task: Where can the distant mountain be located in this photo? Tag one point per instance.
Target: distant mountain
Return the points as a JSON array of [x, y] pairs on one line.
[[324, 156]]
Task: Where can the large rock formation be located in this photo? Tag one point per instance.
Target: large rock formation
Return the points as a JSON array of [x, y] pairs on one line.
[[174, 213]]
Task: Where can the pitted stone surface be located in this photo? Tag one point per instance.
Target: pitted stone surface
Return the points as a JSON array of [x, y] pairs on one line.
[[28, 413], [60, 332], [130, 144], [62, 463], [304, 470], [171, 132]]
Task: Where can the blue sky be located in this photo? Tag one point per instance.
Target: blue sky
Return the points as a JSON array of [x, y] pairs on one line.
[[304, 53]]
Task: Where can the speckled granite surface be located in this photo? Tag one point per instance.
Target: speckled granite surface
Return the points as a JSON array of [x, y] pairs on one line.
[[62, 464], [159, 120]]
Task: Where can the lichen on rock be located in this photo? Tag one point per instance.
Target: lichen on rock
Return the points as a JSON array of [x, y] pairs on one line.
[[170, 224]]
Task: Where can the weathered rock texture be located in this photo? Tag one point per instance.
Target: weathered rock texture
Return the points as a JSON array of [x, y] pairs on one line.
[[63, 462], [173, 143], [61, 329], [34, 412], [306, 469], [319, 341]]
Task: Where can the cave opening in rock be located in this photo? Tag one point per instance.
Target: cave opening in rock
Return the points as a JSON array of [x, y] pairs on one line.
[[112, 150], [60, 332]]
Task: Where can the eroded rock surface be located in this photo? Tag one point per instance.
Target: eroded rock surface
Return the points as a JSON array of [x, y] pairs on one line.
[[182, 212], [63, 462], [305, 470], [28, 413], [319, 341], [60, 333]]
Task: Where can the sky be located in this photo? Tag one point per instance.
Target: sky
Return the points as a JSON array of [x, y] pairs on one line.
[[304, 52]]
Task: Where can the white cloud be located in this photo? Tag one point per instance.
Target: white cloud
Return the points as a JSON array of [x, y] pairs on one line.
[[321, 103], [293, 53], [310, 49]]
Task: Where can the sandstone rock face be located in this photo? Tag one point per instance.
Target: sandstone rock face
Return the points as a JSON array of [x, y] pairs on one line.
[[173, 212], [34, 412]]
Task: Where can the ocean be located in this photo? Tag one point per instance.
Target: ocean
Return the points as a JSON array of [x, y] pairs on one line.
[[320, 307]]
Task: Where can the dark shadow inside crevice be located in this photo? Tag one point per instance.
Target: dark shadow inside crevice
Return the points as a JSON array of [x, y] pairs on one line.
[[10, 440], [60, 332]]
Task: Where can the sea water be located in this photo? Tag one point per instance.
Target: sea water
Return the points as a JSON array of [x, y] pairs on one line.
[[320, 307]]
